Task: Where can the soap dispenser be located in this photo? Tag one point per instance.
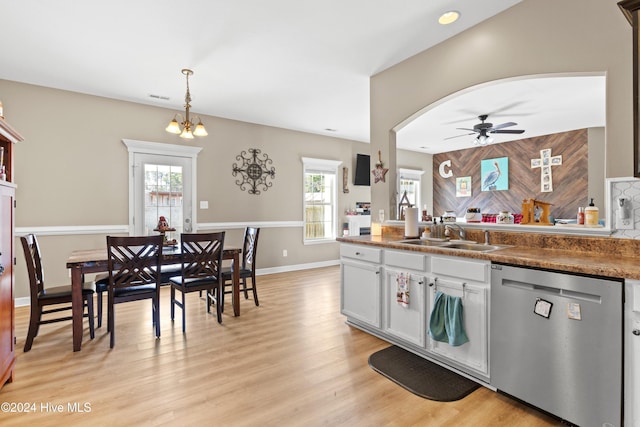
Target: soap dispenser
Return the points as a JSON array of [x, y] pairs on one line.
[[441, 228], [434, 229], [591, 214]]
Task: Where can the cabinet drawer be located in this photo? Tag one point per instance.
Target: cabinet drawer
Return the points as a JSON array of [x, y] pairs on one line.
[[460, 267], [362, 253], [405, 259]]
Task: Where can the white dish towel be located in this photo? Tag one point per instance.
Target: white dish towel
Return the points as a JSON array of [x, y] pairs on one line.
[[402, 289]]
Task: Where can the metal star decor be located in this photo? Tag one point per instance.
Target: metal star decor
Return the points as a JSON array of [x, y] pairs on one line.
[[254, 171]]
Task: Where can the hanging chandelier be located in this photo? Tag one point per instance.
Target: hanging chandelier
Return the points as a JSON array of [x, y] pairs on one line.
[[185, 128]]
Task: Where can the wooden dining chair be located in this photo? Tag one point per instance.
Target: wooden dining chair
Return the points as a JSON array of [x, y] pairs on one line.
[[102, 284], [134, 266], [201, 262], [41, 296], [248, 267]]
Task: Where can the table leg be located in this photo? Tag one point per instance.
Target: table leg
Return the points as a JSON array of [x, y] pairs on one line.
[[76, 306], [236, 285]]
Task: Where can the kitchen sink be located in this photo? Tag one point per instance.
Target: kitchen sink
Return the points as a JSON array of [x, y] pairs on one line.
[[421, 242], [465, 245], [478, 247]]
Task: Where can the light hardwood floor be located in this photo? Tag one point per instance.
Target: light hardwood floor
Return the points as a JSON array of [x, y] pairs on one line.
[[292, 361]]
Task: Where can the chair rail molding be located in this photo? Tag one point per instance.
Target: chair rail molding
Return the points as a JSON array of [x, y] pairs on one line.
[[70, 230]]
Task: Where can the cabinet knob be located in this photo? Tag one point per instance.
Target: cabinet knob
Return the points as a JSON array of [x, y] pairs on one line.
[[636, 332], [358, 253]]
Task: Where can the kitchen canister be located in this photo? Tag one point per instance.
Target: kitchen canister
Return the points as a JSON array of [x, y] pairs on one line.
[[504, 217], [473, 215], [411, 222]]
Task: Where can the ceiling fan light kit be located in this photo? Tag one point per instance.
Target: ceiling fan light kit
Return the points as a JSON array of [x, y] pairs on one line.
[[186, 128]]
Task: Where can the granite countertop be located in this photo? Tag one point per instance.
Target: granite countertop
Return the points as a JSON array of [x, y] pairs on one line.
[[599, 256]]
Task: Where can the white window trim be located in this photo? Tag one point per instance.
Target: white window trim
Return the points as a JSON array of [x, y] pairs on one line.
[[323, 165], [410, 174], [146, 147]]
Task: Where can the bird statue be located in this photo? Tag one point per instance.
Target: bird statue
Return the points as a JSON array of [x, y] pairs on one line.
[[491, 178]]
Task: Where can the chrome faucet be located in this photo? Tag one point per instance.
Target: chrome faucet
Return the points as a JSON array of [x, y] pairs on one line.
[[461, 233]]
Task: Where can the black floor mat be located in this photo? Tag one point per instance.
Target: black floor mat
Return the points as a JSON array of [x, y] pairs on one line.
[[420, 376]]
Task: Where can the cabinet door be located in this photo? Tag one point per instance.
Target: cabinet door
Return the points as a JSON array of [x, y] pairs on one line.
[[474, 353], [361, 291], [407, 323], [7, 357]]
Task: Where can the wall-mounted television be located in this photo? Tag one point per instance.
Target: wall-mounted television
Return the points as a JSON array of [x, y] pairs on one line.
[[363, 174]]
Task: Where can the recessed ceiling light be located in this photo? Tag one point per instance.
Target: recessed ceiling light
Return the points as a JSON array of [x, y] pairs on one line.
[[449, 17]]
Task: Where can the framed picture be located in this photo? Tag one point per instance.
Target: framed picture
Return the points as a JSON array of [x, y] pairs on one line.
[[495, 174], [463, 186]]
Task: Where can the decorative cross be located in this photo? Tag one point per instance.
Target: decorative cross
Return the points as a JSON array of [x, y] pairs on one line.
[[545, 162]]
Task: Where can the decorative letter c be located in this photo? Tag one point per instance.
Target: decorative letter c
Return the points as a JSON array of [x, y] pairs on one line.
[[443, 173]]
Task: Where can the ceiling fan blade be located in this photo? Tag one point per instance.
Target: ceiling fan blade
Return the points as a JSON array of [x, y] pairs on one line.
[[507, 131], [508, 107], [472, 130], [503, 125], [458, 136]]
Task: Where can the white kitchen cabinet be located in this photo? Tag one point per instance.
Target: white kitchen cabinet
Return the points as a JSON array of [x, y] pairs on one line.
[[405, 323], [468, 279], [369, 301], [361, 279]]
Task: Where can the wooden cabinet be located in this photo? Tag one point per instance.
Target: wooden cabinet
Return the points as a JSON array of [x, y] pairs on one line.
[[8, 136]]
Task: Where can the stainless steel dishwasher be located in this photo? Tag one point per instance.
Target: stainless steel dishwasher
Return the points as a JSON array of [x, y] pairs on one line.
[[556, 343]]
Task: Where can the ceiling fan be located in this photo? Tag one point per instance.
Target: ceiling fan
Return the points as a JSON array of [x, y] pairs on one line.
[[484, 128]]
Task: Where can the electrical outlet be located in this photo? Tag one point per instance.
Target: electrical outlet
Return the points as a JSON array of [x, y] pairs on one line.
[[624, 224], [284, 252], [204, 204]]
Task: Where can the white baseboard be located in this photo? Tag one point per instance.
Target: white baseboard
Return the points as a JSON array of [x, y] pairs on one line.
[[296, 267]]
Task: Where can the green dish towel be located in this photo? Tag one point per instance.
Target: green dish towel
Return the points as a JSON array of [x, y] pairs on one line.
[[446, 322]]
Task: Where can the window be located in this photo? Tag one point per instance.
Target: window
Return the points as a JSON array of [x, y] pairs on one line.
[[320, 199], [162, 182], [409, 181], [163, 196]]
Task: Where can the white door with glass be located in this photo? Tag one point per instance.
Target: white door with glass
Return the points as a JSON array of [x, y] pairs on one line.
[[162, 187]]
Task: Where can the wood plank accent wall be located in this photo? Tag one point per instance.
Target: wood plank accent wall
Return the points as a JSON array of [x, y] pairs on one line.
[[570, 179]]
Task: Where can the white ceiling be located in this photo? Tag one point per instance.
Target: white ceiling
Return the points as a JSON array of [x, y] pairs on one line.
[[286, 63], [541, 105]]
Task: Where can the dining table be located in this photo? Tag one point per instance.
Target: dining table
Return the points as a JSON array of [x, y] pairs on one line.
[[84, 261]]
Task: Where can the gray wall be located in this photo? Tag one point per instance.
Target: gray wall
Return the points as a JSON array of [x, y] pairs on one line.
[[533, 37], [71, 173]]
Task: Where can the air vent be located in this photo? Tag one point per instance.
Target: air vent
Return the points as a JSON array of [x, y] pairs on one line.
[[163, 98]]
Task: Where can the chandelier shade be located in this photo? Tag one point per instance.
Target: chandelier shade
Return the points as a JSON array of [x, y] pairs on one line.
[[185, 127]]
